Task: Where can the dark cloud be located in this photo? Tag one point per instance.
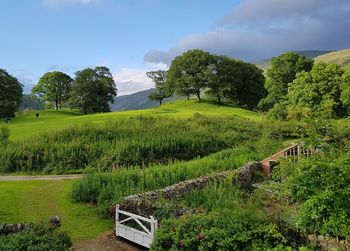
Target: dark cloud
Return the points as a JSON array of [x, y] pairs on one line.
[[259, 29]]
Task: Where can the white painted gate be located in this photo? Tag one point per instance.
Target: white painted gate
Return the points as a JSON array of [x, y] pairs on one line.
[[142, 237]]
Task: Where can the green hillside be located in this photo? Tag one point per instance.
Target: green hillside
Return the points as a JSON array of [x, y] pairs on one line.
[[27, 124], [341, 57]]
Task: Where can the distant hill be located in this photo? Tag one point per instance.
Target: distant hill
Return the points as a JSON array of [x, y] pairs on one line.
[[264, 64], [136, 101], [341, 58], [31, 102]]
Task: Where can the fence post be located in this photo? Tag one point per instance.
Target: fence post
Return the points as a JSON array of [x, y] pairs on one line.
[[116, 219]]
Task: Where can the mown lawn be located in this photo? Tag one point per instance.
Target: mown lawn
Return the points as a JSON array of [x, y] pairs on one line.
[[27, 124], [35, 201]]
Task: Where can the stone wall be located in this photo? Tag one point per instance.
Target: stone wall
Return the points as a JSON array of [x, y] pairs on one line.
[[244, 178]]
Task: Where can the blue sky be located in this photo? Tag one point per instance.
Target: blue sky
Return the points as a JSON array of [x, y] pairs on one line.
[[131, 37]]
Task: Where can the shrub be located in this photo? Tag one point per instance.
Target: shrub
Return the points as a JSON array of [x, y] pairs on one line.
[[36, 237], [236, 229]]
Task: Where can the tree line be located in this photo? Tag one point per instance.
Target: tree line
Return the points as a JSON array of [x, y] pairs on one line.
[[92, 90], [293, 87], [224, 78], [299, 88]]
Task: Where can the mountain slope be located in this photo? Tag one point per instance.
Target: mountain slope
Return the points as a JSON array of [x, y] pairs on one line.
[[136, 101], [341, 57], [311, 54]]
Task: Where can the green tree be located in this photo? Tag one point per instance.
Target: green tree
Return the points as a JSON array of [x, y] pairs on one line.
[[10, 95], [93, 90], [54, 88], [345, 91], [235, 80], [163, 90], [188, 73], [317, 91], [282, 71]]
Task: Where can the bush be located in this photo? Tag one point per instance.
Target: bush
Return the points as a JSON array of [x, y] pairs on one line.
[[238, 229], [321, 185], [4, 135], [36, 237]]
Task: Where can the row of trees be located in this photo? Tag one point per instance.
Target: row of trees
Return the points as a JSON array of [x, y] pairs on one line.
[[91, 91], [298, 88], [222, 77]]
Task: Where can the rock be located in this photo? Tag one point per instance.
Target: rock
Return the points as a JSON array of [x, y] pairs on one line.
[[245, 173]]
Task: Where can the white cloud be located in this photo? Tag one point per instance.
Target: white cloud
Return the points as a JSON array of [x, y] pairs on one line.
[[67, 2], [130, 80]]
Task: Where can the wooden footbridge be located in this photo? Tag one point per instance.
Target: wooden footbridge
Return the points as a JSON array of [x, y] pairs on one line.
[[296, 150]]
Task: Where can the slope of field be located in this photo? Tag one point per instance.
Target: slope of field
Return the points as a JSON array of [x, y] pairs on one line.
[[341, 57], [36, 201], [28, 124]]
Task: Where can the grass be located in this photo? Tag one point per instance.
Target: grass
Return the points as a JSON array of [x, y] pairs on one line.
[[27, 124], [341, 57], [34, 201]]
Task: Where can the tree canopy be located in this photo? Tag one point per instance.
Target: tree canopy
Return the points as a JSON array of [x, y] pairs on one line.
[[93, 90], [236, 81], [10, 95], [54, 88], [163, 90], [188, 73], [282, 71], [317, 91]]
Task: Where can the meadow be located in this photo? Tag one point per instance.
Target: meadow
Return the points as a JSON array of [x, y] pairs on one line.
[[36, 201], [26, 124]]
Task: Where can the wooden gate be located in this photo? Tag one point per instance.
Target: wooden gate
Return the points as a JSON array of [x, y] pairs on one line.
[[138, 232]]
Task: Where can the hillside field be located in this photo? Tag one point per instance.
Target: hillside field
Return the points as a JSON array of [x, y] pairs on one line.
[[27, 124]]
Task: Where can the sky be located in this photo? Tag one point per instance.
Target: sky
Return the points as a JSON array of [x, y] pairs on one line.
[[132, 37]]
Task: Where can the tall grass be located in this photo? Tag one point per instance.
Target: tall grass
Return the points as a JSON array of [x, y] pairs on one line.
[[140, 141], [106, 189]]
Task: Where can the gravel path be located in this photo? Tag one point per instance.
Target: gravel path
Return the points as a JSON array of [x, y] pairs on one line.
[[41, 177]]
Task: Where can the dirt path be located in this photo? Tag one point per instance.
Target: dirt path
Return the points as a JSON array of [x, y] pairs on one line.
[[106, 242], [41, 177]]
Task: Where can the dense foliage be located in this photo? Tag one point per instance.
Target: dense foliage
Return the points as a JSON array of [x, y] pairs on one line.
[[93, 90], [10, 95], [128, 142], [222, 77], [36, 237], [316, 92], [162, 89], [238, 229], [108, 189], [282, 71], [54, 88]]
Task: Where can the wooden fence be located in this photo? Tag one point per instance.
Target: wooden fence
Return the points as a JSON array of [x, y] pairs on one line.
[[140, 231]]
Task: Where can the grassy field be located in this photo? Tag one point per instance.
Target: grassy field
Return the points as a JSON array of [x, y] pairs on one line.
[[341, 57], [27, 124], [34, 201]]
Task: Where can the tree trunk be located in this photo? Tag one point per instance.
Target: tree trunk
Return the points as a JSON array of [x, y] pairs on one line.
[[160, 102], [199, 95], [188, 97], [219, 99], [56, 104]]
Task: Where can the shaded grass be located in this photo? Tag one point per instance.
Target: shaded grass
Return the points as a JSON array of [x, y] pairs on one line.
[[35, 201]]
